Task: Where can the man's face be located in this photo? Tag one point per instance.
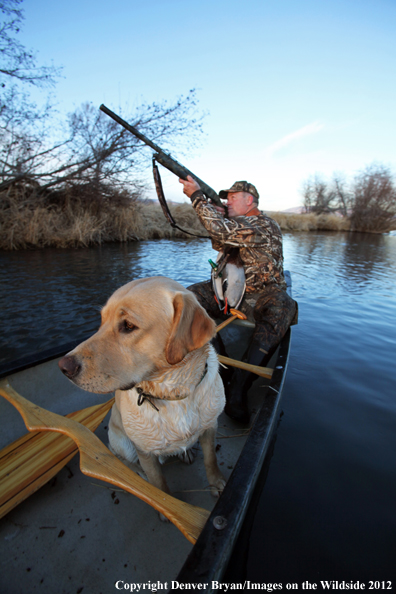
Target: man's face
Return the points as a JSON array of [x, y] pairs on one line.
[[238, 203]]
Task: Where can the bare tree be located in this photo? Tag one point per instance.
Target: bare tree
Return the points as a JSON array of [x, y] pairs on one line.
[[96, 150], [369, 202], [17, 62], [93, 149], [319, 198], [22, 121], [374, 200], [18, 70], [343, 195]]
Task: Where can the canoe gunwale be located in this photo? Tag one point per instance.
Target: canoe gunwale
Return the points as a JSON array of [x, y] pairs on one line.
[[10, 368]]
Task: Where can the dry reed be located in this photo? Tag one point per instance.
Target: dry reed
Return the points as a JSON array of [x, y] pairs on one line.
[[310, 222], [156, 226], [29, 220]]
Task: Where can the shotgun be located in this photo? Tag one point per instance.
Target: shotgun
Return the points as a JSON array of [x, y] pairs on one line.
[[165, 159]]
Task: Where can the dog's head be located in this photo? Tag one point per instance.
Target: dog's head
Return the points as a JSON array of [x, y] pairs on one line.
[[147, 325]]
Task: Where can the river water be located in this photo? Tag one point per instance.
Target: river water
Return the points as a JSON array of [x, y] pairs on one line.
[[327, 511]]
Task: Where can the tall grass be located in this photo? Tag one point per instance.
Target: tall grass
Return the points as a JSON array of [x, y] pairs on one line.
[[72, 219], [310, 222], [77, 217], [156, 226], [37, 223]]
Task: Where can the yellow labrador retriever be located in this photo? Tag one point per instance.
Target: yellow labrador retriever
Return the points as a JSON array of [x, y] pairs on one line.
[[153, 349]]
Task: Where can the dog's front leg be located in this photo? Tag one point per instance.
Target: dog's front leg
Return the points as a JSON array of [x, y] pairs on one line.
[[153, 470], [152, 467], [216, 480]]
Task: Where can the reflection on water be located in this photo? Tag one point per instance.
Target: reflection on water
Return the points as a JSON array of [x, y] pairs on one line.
[[342, 264], [327, 511]]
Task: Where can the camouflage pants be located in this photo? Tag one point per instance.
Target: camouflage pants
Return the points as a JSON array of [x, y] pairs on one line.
[[272, 310]]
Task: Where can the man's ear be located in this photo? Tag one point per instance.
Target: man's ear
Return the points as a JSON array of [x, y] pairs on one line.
[[249, 200], [191, 328]]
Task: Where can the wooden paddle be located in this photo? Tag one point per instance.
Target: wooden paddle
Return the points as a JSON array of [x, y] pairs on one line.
[[261, 371], [98, 462], [33, 459]]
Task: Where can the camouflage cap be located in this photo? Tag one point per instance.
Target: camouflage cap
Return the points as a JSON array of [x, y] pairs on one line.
[[240, 186]]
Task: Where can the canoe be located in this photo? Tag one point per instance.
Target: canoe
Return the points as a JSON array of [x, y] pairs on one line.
[[56, 501]]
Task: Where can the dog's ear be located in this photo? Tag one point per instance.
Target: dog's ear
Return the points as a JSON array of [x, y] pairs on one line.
[[191, 328]]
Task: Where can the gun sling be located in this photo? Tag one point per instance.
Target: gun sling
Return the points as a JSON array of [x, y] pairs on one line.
[[164, 204]]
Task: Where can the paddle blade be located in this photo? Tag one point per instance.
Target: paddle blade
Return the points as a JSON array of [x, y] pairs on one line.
[[33, 459]]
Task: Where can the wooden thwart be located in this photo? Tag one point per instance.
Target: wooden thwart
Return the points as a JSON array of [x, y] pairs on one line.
[[97, 461], [236, 315], [261, 371]]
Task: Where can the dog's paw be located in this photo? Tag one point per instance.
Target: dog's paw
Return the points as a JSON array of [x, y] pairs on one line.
[[217, 487], [188, 456], [163, 518]]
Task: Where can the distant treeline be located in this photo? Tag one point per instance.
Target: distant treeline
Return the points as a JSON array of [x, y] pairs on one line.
[[368, 201]]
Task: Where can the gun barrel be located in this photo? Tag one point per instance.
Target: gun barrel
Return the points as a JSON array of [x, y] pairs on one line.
[[165, 159], [131, 129]]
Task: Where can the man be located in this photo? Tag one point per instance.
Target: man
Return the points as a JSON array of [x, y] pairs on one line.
[[258, 241]]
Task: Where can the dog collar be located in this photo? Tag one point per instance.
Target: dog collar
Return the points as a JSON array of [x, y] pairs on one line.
[[142, 396]]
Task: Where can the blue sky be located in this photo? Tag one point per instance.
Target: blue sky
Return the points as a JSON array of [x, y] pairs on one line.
[[292, 88]]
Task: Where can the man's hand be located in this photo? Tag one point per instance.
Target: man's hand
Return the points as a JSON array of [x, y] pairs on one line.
[[189, 186]]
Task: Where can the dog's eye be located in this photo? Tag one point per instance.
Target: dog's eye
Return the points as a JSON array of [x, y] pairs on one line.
[[127, 326]]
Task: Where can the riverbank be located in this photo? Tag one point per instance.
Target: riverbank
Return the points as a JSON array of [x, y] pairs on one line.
[[75, 224]]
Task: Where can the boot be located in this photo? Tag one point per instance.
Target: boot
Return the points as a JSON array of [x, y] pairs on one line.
[[236, 392], [236, 397]]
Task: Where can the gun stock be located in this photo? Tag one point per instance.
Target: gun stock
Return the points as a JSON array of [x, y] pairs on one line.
[[164, 158]]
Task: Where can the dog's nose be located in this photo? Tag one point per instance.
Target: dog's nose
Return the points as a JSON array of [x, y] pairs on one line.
[[69, 366]]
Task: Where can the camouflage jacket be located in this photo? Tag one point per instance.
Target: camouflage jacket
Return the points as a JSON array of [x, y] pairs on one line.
[[258, 238]]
